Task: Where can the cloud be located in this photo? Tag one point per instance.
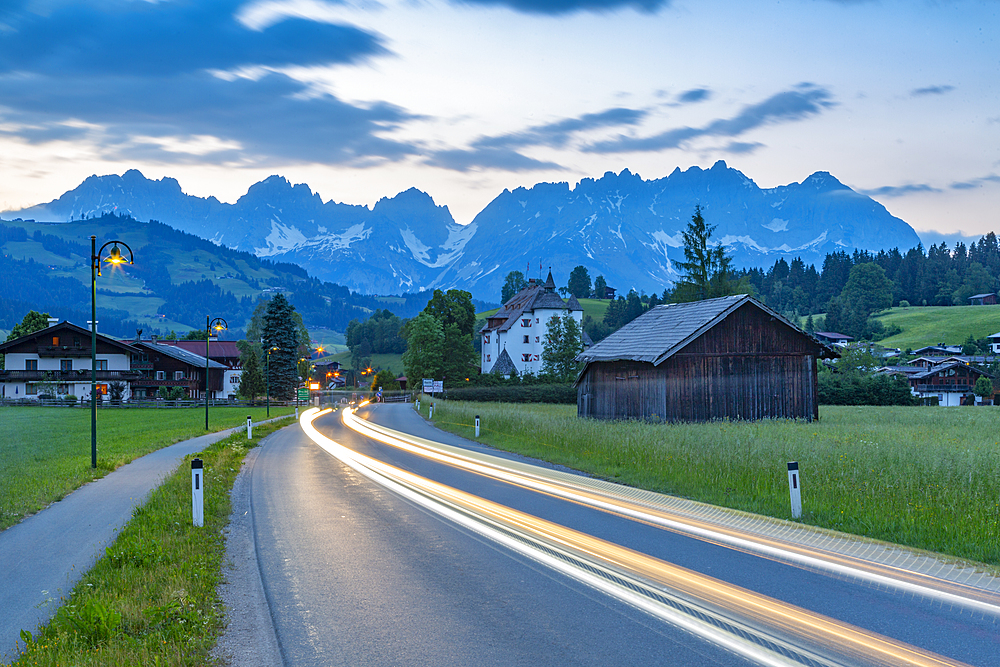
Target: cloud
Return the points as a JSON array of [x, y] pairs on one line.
[[931, 90], [975, 182], [792, 105], [742, 148], [501, 151], [693, 96], [167, 38], [487, 158], [555, 7], [557, 134], [137, 79], [899, 190], [268, 117]]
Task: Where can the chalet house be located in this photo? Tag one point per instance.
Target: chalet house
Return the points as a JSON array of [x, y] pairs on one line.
[[167, 365], [832, 338], [513, 338], [224, 352], [983, 300], [951, 382], [995, 343], [57, 360], [938, 350], [725, 358]]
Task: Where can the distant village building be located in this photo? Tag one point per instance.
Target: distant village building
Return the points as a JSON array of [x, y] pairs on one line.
[[56, 361], [832, 337], [995, 343], [224, 352], [167, 365], [944, 381], [725, 358], [983, 300], [513, 338]]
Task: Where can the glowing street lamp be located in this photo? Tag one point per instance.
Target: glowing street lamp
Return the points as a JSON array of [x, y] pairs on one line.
[[218, 324], [267, 372], [114, 258]]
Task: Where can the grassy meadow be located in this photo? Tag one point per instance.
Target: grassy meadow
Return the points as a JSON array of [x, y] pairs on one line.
[[924, 477], [152, 600], [45, 452], [931, 325]]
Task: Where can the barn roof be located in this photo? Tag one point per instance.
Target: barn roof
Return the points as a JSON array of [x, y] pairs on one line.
[[660, 332]]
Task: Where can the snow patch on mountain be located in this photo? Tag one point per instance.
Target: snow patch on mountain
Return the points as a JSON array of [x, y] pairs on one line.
[[776, 225], [282, 238]]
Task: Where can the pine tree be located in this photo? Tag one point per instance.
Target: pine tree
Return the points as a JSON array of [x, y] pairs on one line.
[[251, 378], [281, 331], [707, 268]]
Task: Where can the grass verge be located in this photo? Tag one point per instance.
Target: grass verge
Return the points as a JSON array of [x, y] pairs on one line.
[[923, 477], [45, 451], [151, 600]]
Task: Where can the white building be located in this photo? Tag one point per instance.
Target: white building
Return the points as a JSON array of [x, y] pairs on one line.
[[995, 343], [513, 338], [56, 361]]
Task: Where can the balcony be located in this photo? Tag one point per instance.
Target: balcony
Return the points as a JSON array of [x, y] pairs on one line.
[[943, 388], [63, 351]]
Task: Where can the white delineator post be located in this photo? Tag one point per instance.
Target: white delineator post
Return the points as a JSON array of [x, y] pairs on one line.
[[794, 484], [249, 428], [417, 404], [198, 492], [477, 426], [430, 412]]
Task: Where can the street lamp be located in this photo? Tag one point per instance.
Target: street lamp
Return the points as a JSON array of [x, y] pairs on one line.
[[218, 324], [267, 373], [114, 258]]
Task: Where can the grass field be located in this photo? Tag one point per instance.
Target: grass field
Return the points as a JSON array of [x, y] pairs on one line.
[[931, 325], [151, 599], [924, 477], [393, 362], [45, 452]]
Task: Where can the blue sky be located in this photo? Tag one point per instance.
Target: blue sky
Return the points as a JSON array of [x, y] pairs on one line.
[[463, 98]]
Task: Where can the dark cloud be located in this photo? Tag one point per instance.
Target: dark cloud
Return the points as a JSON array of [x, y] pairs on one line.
[[975, 182], [742, 147], [899, 190], [570, 6], [487, 158], [804, 101], [695, 95], [931, 90], [557, 134], [268, 117], [140, 69]]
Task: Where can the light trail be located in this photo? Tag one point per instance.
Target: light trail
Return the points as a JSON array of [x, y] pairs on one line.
[[620, 500], [767, 631]]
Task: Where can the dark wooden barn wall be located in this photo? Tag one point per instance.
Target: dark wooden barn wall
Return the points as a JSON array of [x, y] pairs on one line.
[[745, 368]]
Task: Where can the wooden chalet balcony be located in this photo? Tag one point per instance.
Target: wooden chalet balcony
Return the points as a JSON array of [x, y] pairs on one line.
[[943, 388], [152, 382], [63, 351], [68, 376]]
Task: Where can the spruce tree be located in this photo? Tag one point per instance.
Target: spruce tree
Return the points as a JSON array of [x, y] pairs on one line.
[[281, 331]]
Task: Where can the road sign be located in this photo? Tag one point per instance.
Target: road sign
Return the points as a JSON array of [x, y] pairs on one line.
[[303, 394]]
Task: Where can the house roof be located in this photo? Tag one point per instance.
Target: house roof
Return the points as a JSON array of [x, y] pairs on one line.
[[179, 353], [218, 348], [832, 335], [65, 324], [660, 332], [533, 297], [982, 296], [504, 364], [934, 370]]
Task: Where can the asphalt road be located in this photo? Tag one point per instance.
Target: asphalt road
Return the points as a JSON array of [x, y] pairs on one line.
[[356, 574]]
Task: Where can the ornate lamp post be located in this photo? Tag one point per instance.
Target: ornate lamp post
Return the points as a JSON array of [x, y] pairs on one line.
[[267, 373], [218, 324], [114, 258]]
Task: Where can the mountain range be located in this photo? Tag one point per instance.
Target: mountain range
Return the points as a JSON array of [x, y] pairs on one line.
[[620, 226]]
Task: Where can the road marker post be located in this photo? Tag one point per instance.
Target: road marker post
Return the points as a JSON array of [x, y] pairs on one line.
[[793, 488], [430, 413], [249, 428], [417, 404], [197, 492], [477, 426]]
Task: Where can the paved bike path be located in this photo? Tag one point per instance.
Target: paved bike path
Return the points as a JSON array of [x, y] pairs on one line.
[[46, 554]]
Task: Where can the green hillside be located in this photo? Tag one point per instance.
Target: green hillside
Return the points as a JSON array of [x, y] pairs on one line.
[[392, 362], [931, 325]]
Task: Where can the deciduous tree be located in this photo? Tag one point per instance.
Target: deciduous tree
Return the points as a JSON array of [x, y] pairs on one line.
[[563, 342], [424, 348]]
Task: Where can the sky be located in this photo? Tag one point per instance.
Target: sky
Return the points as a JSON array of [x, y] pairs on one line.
[[464, 98]]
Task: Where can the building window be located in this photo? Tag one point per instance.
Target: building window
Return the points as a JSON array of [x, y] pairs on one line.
[[526, 322], [102, 364], [76, 341], [178, 375], [30, 389], [525, 357], [536, 357], [31, 364], [55, 341], [526, 338], [536, 339], [161, 375], [536, 320], [486, 338], [65, 365], [62, 389], [487, 357]]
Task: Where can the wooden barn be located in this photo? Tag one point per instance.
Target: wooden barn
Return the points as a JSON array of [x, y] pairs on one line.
[[726, 358]]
